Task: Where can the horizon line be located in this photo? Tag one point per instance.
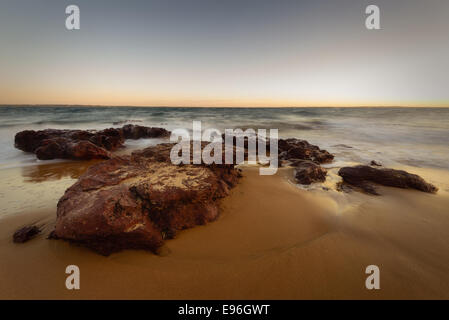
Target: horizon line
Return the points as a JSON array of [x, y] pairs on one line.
[[215, 107]]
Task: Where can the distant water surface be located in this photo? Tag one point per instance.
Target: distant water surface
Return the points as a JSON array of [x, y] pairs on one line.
[[411, 136]]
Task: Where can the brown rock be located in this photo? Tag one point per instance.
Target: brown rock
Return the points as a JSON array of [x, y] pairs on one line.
[[291, 149], [30, 140], [85, 150], [137, 201], [307, 172], [51, 149], [26, 233], [81, 144], [300, 149], [361, 176], [131, 131]]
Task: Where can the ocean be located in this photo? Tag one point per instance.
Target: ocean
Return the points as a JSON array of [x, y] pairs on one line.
[[416, 137]]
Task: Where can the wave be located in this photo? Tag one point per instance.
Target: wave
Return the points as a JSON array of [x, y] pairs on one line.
[[416, 136]]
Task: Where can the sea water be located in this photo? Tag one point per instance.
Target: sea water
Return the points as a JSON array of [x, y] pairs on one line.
[[416, 137]]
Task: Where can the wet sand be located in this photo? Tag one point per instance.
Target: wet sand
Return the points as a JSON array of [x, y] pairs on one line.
[[272, 241]]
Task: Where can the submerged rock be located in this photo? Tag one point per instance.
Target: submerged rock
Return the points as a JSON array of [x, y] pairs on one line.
[[26, 233], [307, 172], [81, 144], [341, 145], [115, 123], [131, 131], [137, 201], [361, 176]]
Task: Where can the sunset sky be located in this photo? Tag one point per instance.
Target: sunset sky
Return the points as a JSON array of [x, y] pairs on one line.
[[225, 53]]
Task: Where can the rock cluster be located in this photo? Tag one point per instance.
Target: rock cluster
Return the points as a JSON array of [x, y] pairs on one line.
[[293, 148], [81, 144], [306, 158]]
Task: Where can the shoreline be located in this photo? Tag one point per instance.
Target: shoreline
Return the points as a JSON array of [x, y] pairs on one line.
[[271, 241]]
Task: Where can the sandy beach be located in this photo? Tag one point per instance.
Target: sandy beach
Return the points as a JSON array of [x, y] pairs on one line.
[[224, 150], [272, 240]]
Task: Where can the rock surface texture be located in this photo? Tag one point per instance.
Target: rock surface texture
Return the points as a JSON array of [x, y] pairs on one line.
[[307, 172], [81, 144], [306, 158], [363, 176], [300, 149], [137, 201]]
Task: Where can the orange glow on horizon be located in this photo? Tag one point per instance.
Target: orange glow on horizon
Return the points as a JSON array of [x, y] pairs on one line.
[[219, 103], [127, 97]]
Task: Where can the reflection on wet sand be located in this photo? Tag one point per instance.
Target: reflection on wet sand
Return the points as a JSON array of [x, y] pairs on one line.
[[56, 171], [46, 184]]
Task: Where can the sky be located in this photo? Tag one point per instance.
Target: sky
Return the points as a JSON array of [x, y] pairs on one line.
[[225, 53]]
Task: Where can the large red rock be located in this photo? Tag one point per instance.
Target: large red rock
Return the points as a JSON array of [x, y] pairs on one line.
[[362, 176], [137, 201], [81, 144]]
